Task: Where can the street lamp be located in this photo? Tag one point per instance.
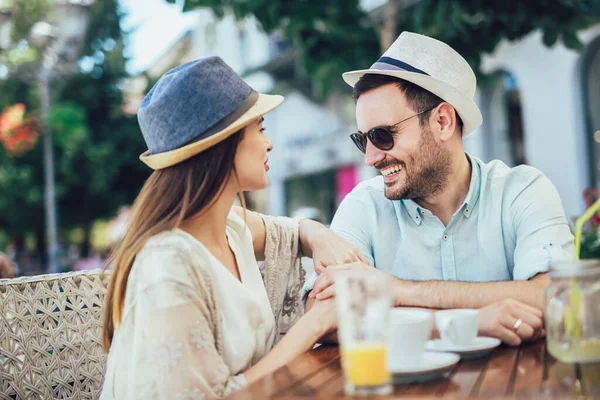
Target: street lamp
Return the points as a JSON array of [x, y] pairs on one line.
[[60, 43], [5, 28]]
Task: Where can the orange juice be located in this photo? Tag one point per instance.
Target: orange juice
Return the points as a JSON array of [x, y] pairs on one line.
[[365, 365]]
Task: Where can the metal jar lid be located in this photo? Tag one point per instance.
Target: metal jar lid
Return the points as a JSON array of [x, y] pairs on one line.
[[575, 268]]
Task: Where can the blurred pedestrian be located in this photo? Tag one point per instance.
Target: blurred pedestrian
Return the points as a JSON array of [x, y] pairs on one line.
[[7, 268]]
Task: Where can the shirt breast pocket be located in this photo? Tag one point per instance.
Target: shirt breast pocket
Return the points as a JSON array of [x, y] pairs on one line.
[[490, 263], [417, 262]]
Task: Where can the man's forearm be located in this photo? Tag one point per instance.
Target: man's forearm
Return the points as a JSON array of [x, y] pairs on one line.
[[449, 294]]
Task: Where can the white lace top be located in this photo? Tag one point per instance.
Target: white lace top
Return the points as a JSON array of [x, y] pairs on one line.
[[190, 328]]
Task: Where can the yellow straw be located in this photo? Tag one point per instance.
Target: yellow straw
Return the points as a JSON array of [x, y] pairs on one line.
[[572, 321], [579, 225]]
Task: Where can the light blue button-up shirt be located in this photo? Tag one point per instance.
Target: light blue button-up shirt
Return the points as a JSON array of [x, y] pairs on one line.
[[511, 226]]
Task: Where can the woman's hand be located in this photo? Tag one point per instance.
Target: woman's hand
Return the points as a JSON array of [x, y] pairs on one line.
[[326, 247], [324, 315], [500, 320], [320, 320]]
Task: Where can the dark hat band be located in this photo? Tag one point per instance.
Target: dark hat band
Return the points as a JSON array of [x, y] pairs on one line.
[[229, 119], [388, 63]]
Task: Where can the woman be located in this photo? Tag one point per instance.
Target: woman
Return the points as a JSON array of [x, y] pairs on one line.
[[188, 314]]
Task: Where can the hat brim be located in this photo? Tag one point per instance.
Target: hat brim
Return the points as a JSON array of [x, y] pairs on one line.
[[464, 106], [263, 105]]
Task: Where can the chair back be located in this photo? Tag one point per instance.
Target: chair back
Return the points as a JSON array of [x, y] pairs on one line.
[[51, 336]]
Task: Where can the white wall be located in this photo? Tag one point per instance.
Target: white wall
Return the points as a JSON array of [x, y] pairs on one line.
[[553, 117], [475, 143], [214, 37], [369, 5]]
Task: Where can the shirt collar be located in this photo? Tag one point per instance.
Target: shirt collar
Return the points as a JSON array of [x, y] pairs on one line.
[[474, 187], [416, 212]]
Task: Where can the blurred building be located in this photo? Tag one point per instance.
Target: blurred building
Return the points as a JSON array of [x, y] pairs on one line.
[[314, 163], [543, 109]]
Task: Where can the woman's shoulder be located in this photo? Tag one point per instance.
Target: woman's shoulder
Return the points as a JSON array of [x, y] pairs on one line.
[[170, 255], [236, 221], [167, 244]]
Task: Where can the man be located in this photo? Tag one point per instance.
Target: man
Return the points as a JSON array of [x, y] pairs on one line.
[[454, 231]]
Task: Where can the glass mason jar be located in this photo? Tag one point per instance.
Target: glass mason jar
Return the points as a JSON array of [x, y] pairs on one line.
[[573, 311]]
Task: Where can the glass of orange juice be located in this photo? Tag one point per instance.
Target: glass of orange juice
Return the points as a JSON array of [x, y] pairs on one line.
[[363, 304]]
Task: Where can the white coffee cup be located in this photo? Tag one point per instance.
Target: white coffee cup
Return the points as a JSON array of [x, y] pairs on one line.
[[409, 331], [459, 326]]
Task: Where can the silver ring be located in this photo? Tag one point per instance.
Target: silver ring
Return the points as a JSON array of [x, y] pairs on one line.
[[518, 324]]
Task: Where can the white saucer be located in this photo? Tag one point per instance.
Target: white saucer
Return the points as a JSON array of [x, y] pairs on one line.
[[433, 365], [479, 348]]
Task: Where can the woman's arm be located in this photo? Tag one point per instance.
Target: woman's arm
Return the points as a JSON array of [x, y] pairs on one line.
[[300, 338], [316, 241], [170, 350]]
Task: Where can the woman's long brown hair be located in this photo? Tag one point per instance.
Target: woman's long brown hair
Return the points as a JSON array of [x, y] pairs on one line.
[[168, 197]]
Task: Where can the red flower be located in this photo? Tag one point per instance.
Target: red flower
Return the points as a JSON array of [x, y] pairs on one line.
[[17, 133]]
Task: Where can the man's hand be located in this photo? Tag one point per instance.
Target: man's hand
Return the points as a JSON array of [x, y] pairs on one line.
[[324, 288], [500, 319]]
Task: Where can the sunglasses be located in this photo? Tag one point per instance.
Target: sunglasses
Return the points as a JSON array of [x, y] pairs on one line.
[[381, 137]]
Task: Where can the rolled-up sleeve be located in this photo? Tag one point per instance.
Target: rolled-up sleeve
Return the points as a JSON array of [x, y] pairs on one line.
[[543, 236]]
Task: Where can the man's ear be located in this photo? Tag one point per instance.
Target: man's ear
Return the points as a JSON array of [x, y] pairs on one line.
[[445, 121]]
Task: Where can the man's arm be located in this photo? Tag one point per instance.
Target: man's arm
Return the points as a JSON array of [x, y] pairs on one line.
[[543, 236], [444, 294], [495, 320]]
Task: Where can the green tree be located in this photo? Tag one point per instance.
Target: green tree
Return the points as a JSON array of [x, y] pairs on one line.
[[335, 36], [96, 144]]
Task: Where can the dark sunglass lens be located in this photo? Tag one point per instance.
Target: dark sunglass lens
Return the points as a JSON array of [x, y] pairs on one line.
[[382, 138], [360, 141]]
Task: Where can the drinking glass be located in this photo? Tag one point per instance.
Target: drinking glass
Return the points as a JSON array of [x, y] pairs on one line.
[[363, 304]]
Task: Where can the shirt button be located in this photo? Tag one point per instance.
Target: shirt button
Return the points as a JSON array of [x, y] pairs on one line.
[[445, 237]]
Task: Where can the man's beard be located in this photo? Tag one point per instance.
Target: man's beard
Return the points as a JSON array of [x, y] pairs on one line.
[[428, 175]]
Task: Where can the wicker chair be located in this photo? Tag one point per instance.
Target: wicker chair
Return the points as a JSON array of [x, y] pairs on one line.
[[51, 336]]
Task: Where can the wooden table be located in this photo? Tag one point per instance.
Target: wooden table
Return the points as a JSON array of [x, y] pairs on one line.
[[524, 372]]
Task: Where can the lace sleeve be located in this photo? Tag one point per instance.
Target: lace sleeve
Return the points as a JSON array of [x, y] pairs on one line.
[[174, 348], [283, 272], [171, 346]]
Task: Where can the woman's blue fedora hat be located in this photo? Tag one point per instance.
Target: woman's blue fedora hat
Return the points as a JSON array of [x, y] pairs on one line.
[[195, 106]]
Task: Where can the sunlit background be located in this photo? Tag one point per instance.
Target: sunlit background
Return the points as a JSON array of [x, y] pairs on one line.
[[72, 74]]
